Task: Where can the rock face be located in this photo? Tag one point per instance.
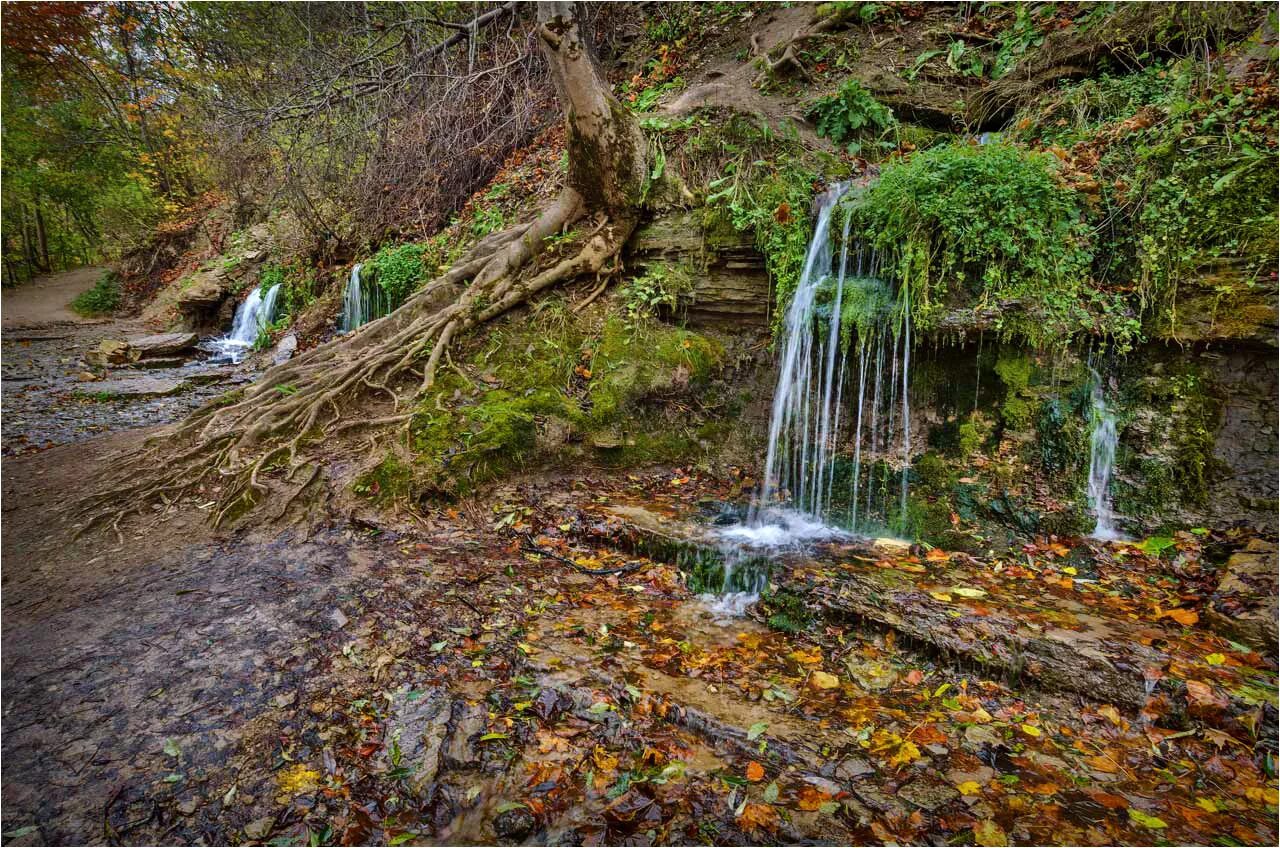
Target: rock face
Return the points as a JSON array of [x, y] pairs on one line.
[[205, 300], [165, 344], [1244, 607], [140, 387], [730, 284]]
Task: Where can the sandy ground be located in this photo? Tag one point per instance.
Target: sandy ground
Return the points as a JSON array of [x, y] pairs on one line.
[[46, 300]]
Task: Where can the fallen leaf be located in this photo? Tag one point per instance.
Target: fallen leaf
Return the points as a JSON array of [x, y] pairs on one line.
[[940, 596], [969, 787], [988, 833], [755, 772], [1216, 659], [822, 680], [967, 592], [1185, 617], [1263, 795], [1110, 713], [1139, 817], [756, 816]]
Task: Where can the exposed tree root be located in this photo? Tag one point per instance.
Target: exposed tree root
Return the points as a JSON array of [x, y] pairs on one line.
[[266, 431]]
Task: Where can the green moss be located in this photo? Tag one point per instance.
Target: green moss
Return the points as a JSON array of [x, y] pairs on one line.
[[1031, 245], [554, 384], [389, 480], [1014, 369], [786, 611], [970, 439]]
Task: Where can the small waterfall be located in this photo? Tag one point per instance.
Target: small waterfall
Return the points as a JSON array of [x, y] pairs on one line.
[[1102, 459], [360, 303], [829, 470], [840, 312], [254, 314]]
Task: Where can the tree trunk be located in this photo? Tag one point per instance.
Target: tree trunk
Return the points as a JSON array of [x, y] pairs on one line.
[[607, 150], [42, 236]]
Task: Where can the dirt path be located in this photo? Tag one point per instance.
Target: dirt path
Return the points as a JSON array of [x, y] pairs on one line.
[[47, 300]]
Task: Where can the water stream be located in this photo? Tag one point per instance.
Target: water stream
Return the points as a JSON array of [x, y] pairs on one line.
[[1102, 458], [254, 314], [361, 303]]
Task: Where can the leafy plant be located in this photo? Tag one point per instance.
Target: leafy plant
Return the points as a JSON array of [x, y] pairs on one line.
[[661, 286], [986, 224], [849, 114], [399, 270], [102, 299]]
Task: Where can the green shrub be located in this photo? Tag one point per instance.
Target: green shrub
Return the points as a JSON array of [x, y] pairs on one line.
[[399, 270], [102, 299], [966, 225], [850, 114]]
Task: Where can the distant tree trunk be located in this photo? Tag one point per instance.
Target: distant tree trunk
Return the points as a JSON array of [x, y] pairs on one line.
[[42, 240]]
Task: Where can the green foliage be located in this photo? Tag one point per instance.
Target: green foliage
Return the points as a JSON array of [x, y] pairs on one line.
[[981, 225], [399, 270], [102, 299], [661, 286], [1182, 167], [787, 611], [851, 114]]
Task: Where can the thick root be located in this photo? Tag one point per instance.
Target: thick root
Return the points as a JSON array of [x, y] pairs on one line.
[[266, 431]]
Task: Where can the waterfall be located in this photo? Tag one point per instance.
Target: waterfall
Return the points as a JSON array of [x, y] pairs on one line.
[[360, 303], [1102, 458], [807, 449], [254, 314]]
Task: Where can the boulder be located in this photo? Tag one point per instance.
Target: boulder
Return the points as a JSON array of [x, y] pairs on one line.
[[164, 344], [112, 352], [285, 349]]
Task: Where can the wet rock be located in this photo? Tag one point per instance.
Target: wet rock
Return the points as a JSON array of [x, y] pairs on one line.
[[515, 824], [468, 722], [159, 362], [928, 793], [285, 349], [1244, 607], [852, 768], [419, 724], [259, 828], [164, 344], [139, 387]]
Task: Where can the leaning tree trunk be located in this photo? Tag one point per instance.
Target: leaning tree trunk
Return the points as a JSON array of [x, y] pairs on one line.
[[328, 390]]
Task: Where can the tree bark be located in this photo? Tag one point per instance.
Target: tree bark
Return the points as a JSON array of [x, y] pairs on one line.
[[607, 151]]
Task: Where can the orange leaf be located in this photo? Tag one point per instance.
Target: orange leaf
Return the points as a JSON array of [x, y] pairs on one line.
[[756, 816], [1185, 617], [755, 772], [811, 798]]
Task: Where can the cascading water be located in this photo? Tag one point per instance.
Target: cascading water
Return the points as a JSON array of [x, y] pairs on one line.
[[1102, 458], [839, 320], [254, 314], [823, 480], [360, 303]]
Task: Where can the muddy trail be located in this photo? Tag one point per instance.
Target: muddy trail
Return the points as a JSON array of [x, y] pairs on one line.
[[496, 674]]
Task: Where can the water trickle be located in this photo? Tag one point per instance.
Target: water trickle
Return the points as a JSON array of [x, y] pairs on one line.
[[361, 303], [1102, 458], [829, 470], [253, 315]]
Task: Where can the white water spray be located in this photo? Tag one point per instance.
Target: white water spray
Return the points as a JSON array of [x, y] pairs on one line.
[[253, 315]]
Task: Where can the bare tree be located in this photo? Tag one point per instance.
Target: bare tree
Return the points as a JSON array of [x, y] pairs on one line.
[[603, 195]]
